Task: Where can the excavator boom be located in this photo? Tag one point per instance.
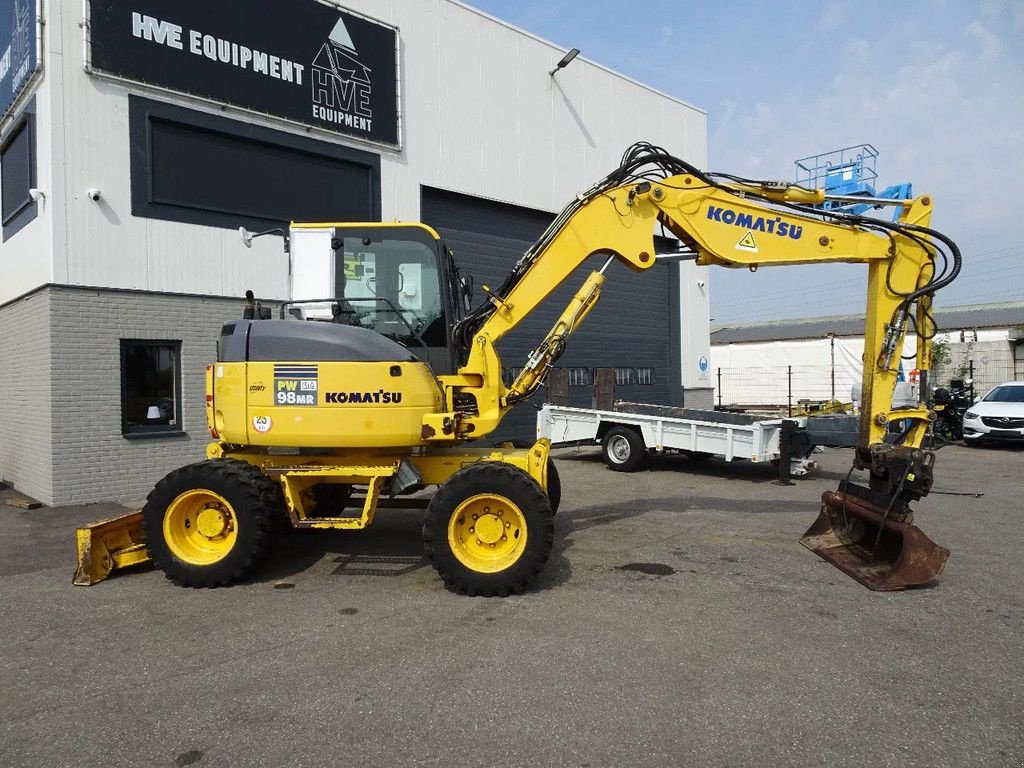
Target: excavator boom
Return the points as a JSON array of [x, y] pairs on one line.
[[865, 531]]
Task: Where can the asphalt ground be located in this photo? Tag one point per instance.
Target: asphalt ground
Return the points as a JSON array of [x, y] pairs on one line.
[[738, 648]]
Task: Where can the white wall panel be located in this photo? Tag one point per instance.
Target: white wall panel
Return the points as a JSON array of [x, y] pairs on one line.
[[26, 258], [499, 109]]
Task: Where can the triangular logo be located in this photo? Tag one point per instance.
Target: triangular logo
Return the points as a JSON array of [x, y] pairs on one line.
[[324, 59], [340, 36], [747, 243]]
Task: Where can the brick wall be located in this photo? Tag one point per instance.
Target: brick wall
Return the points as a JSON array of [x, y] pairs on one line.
[[25, 395], [92, 460]]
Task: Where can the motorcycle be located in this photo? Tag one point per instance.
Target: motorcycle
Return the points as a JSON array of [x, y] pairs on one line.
[[950, 405]]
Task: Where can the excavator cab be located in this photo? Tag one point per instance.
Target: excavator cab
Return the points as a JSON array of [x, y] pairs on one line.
[[398, 280]]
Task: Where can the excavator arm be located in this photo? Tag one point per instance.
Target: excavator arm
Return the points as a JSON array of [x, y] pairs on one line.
[[735, 223]]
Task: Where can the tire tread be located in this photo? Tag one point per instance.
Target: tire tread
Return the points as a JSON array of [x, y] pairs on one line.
[[504, 479], [261, 498]]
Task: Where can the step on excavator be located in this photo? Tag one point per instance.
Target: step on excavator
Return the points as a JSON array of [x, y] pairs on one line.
[[382, 391]]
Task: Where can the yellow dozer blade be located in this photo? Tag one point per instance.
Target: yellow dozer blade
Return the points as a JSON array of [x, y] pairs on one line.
[[106, 545]]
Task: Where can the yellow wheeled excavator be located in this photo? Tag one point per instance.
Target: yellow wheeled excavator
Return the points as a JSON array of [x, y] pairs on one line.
[[320, 417]]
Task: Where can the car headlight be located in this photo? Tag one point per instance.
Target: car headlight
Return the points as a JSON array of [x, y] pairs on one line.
[[970, 415]]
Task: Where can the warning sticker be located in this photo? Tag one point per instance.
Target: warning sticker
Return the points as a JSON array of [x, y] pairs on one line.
[[747, 243], [262, 424]]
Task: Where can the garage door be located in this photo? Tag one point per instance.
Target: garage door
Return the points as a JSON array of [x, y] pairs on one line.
[[632, 327]]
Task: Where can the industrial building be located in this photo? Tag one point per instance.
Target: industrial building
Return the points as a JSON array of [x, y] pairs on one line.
[[764, 363], [137, 137]]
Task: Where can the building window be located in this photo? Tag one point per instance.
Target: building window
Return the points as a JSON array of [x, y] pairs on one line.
[[624, 376], [18, 176], [150, 386], [645, 376], [580, 377]]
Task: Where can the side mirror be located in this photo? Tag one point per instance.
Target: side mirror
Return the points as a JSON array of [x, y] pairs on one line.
[[246, 236], [977, 399]]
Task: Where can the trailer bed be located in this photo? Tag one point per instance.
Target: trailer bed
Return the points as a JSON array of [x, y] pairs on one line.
[[699, 433]]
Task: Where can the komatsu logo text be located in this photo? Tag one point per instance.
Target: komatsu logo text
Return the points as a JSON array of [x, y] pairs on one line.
[[380, 396], [773, 226]]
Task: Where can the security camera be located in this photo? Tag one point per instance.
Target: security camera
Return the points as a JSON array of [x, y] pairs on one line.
[[701, 283], [94, 194], [36, 194]]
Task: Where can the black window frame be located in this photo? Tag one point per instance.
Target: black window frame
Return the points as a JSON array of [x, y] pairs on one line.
[[152, 430], [28, 209], [142, 112]]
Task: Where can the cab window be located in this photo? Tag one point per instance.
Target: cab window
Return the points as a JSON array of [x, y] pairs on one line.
[[391, 287]]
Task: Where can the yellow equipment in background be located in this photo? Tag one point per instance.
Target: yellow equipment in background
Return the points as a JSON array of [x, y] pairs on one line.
[[317, 422]]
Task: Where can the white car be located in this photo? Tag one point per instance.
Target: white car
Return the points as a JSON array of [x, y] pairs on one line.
[[998, 416]]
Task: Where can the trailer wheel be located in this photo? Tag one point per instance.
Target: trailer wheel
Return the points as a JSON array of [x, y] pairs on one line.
[[623, 449], [489, 530], [208, 524]]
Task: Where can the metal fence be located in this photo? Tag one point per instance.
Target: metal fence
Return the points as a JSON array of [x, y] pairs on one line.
[[785, 390], [780, 389], [984, 373]]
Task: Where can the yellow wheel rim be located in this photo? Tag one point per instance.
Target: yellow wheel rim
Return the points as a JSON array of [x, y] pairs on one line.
[[487, 533], [200, 527]]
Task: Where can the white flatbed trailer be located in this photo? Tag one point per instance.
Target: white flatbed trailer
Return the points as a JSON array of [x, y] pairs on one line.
[[627, 433]]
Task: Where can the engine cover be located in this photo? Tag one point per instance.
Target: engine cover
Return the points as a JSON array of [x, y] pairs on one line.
[[326, 386]]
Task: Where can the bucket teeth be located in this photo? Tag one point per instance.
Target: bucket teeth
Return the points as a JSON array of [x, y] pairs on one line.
[[882, 553]]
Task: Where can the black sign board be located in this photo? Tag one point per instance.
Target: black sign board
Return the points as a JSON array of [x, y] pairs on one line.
[[19, 58], [298, 59]]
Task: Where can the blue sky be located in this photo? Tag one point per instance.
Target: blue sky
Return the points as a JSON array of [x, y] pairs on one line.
[[937, 86]]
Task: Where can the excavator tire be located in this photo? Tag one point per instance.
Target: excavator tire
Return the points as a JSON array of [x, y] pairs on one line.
[[489, 530], [208, 524], [554, 487], [554, 481]]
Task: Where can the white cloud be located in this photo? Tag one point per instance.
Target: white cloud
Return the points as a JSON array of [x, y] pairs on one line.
[[991, 45], [760, 121], [947, 116]]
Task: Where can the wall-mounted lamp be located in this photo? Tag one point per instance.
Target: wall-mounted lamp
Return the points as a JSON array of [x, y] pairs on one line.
[[572, 54], [248, 237]]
